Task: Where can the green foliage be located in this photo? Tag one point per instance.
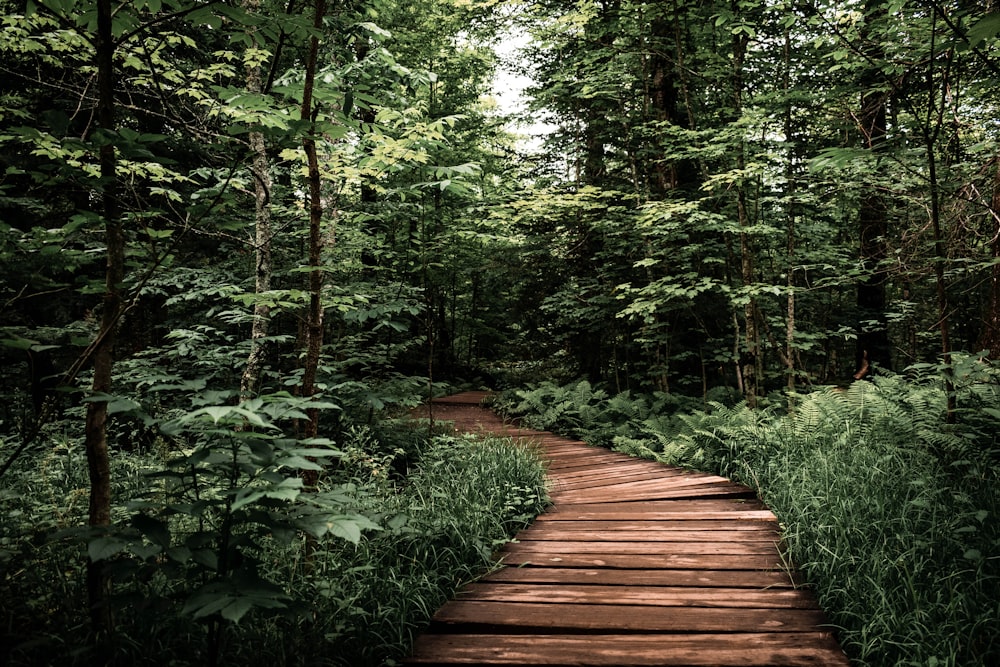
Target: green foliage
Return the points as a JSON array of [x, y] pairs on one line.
[[589, 413], [441, 529], [219, 537], [667, 215]]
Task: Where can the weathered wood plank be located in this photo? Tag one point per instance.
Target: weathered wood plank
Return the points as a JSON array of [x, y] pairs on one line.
[[568, 513], [557, 466], [631, 577], [642, 488], [670, 477], [662, 510], [715, 505], [650, 596], [718, 650], [567, 483], [465, 398], [519, 617], [632, 466], [545, 533], [712, 490], [748, 525], [645, 561], [648, 548]]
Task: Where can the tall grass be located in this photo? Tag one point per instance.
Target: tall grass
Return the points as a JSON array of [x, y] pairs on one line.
[[899, 537], [466, 499]]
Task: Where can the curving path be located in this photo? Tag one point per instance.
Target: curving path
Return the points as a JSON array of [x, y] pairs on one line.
[[635, 563]]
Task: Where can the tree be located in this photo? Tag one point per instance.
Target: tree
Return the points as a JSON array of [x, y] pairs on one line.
[[96, 443], [314, 319], [263, 233]]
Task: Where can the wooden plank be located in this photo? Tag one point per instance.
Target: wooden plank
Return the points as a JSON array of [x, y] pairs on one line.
[[547, 533], [628, 577], [676, 479], [464, 398], [569, 513], [620, 475], [557, 464], [716, 505], [714, 490], [533, 617], [748, 525], [666, 510], [651, 486], [642, 491], [648, 596], [645, 561], [648, 548], [718, 650], [572, 452], [623, 469]]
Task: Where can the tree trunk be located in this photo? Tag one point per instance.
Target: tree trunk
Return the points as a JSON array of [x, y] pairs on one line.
[[873, 345], [95, 431], [940, 258], [750, 360], [314, 318], [932, 130], [790, 219], [664, 89], [261, 171]]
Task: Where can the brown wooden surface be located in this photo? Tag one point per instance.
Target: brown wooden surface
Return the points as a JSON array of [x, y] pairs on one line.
[[635, 563]]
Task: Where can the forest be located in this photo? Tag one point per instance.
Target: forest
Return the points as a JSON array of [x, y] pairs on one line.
[[241, 240]]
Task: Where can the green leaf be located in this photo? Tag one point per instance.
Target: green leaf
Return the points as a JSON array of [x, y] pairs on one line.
[[986, 28], [347, 530], [217, 412], [145, 551], [156, 531], [102, 548], [179, 554], [236, 609], [18, 343], [120, 405], [206, 558]]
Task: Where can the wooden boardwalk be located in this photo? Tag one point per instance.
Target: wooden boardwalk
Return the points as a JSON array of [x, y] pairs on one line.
[[635, 563]]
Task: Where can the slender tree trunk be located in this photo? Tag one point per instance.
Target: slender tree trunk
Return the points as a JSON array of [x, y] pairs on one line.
[[95, 428], [261, 171], [314, 318], [790, 219], [940, 259], [750, 360], [931, 130]]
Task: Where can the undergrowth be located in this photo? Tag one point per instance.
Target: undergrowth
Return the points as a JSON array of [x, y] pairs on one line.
[[427, 530], [891, 512]]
